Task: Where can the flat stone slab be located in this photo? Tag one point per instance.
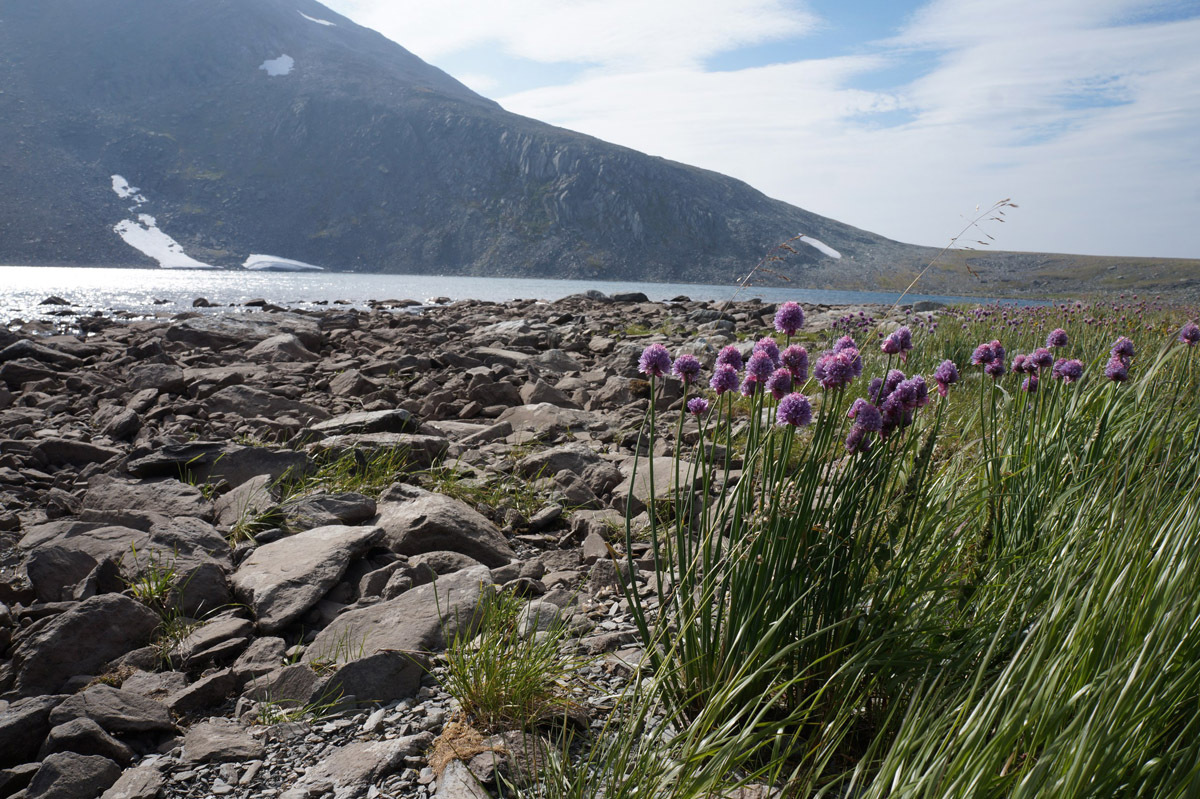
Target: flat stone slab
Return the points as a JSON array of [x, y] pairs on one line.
[[434, 522], [282, 580], [419, 620], [396, 420], [220, 741]]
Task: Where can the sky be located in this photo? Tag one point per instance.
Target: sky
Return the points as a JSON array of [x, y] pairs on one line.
[[896, 116]]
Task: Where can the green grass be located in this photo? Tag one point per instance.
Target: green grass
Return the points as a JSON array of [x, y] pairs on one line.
[[998, 600]]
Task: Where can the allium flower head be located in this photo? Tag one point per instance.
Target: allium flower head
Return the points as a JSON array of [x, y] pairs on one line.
[[890, 345], [995, 369], [750, 386], [1068, 371], [865, 415], [794, 409], [1041, 358], [982, 355], [1018, 364], [795, 359], [1190, 334], [1117, 370], [836, 369], [945, 376], [844, 343], [898, 341], [655, 361], [730, 356], [858, 440], [697, 406], [1057, 338], [1030, 385], [760, 366], [779, 383], [1122, 348], [789, 318], [768, 346], [686, 368], [725, 378]]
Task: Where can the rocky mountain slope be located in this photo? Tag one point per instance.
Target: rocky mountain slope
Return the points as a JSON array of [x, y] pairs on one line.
[[278, 126]]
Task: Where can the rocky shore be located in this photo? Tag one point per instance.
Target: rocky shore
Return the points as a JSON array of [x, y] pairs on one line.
[[233, 546]]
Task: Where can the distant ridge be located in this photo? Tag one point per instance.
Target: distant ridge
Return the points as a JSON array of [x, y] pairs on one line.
[[279, 126]]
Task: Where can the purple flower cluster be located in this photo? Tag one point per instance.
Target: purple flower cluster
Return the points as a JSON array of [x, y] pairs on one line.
[[1068, 371], [769, 347], [991, 357], [1057, 338], [697, 406], [686, 368], [779, 383], [789, 318], [794, 410], [730, 356], [655, 361], [1121, 355], [898, 342], [836, 368], [945, 376], [725, 378], [795, 360], [1190, 334]]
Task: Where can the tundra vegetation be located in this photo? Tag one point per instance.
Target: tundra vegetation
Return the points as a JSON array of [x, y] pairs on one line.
[[956, 558]]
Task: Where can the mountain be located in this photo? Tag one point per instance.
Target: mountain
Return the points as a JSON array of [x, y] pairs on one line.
[[207, 131], [279, 126]]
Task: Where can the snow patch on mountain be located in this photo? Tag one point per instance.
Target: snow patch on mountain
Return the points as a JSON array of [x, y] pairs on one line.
[[121, 186], [143, 235], [272, 263], [277, 67], [820, 245], [318, 21]]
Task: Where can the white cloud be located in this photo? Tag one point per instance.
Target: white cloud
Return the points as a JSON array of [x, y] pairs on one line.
[[1080, 113]]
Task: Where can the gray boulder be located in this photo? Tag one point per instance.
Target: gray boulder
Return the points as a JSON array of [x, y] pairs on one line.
[[66, 775], [419, 620], [24, 724], [117, 711], [81, 641], [436, 522], [85, 737], [250, 402], [283, 348], [163, 378], [168, 496], [284, 579], [219, 741], [396, 420]]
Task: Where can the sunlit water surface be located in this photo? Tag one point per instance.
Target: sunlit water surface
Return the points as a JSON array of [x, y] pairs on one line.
[[150, 292]]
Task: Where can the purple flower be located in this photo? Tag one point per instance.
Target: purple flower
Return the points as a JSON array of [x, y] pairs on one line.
[[1068, 371], [1030, 385], [890, 345], [795, 359], [750, 386], [874, 387], [982, 355], [760, 366], [725, 378], [789, 318], [1117, 370], [697, 406], [1190, 334], [898, 341], [686, 368], [794, 409], [1122, 348], [865, 415], [995, 369], [844, 343], [779, 383], [945, 376], [730, 356], [858, 440], [836, 369], [1018, 364], [655, 361], [1041, 358], [1057, 338], [768, 346]]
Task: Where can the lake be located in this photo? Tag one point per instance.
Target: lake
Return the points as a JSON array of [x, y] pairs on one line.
[[168, 291]]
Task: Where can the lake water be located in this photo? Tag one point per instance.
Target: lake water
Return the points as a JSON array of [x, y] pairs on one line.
[[168, 291]]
